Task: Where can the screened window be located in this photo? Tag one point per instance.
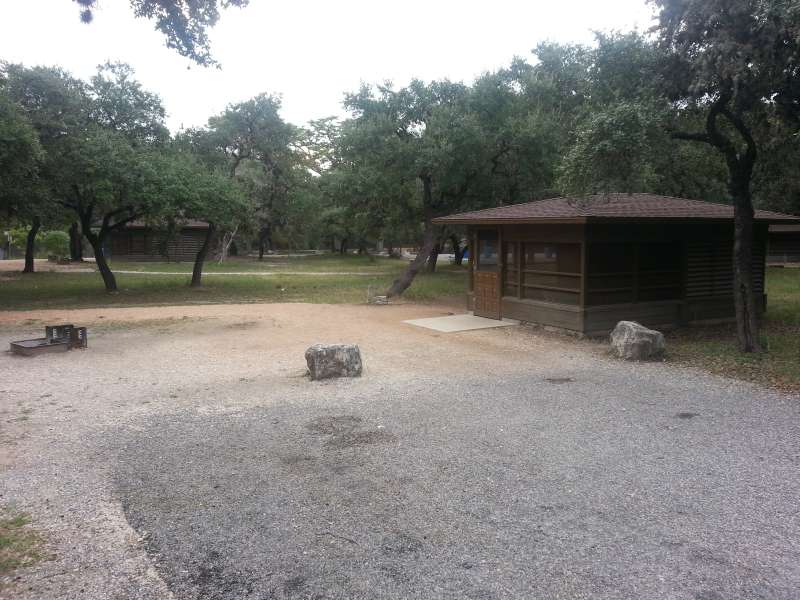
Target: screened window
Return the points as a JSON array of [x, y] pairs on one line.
[[659, 276], [542, 272], [487, 251], [625, 273], [562, 258], [511, 269]]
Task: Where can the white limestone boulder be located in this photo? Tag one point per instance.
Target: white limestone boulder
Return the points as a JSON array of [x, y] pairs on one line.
[[632, 341], [333, 360]]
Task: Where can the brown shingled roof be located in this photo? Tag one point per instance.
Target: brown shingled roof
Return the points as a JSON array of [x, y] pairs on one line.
[[606, 207], [186, 224]]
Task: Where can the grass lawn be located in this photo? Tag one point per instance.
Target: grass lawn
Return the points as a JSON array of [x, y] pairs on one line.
[[315, 263], [714, 348], [85, 290], [20, 546]]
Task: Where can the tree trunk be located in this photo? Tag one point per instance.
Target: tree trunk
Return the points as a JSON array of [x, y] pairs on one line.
[[96, 241], [227, 240], [343, 247], [740, 173], [30, 244], [429, 240], [458, 251], [200, 258], [264, 241], [75, 243], [402, 283], [747, 317], [433, 258]]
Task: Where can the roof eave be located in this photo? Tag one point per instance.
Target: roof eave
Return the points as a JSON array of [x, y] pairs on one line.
[[585, 220], [507, 221]]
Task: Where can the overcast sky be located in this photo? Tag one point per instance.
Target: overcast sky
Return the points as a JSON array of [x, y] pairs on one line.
[[311, 52]]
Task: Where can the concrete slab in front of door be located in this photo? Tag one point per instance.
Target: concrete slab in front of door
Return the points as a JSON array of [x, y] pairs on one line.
[[456, 323]]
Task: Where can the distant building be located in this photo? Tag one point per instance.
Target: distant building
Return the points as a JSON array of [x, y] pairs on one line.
[[138, 241], [784, 244]]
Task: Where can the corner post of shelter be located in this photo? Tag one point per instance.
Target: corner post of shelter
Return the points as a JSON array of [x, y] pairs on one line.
[[472, 245], [582, 293], [501, 272], [683, 310]]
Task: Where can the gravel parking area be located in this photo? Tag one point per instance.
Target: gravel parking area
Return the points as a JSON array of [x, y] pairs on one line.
[[185, 455]]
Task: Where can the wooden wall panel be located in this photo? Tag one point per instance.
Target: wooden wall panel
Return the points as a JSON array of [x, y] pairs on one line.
[[542, 313], [601, 320], [543, 233]]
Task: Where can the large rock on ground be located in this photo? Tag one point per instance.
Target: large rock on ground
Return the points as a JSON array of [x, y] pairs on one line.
[[633, 341], [333, 360]]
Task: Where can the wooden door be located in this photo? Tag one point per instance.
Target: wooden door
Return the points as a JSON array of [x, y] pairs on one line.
[[487, 296], [486, 276]]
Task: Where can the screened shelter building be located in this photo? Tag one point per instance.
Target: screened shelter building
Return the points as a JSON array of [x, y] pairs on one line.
[[584, 264], [783, 246], [138, 241]]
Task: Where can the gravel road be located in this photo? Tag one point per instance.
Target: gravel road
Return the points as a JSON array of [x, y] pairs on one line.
[[184, 455]]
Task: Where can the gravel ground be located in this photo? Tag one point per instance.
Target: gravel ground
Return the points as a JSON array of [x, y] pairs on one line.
[[184, 455]]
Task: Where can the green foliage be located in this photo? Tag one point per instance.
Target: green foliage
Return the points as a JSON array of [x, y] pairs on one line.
[[731, 68], [267, 158], [615, 150], [185, 24], [188, 189], [56, 243], [120, 103], [20, 156], [48, 102], [19, 235]]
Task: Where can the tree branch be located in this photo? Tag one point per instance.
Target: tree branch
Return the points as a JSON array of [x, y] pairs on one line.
[[125, 221], [752, 149], [66, 204], [717, 138]]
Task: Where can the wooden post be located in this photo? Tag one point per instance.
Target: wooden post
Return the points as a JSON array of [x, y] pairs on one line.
[[636, 272], [501, 265], [583, 285]]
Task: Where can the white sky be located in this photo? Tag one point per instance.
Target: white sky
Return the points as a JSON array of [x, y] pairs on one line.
[[310, 51]]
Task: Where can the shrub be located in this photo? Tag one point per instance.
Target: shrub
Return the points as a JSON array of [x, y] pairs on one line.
[[56, 243]]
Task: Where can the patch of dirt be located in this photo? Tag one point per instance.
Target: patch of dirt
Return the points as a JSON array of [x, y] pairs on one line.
[[333, 425], [294, 584], [242, 325], [42, 265], [352, 439], [558, 380], [401, 542], [212, 578], [687, 415], [297, 460]]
